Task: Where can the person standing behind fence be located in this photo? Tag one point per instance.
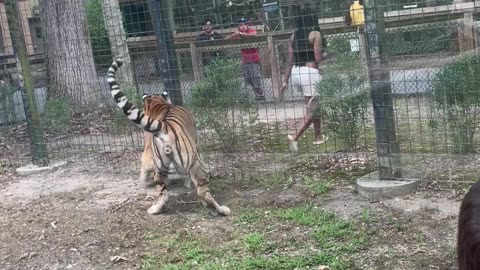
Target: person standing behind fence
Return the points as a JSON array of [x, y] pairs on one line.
[[250, 59], [209, 35], [355, 14], [304, 56]]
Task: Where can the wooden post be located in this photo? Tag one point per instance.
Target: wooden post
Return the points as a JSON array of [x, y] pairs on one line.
[[25, 12], [468, 24], [7, 40], [466, 36], [193, 53], [476, 36], [388, 147], [276, 76]]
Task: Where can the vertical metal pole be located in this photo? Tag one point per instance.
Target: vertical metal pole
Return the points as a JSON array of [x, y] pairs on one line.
[[388, 147], [166, 46], [38, 146]]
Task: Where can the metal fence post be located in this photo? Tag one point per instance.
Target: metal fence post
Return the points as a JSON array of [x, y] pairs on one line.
[[166, 46], [38, 146], [388, 147]]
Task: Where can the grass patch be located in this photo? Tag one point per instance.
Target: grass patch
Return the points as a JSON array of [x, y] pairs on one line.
[[248, 216], [316, 187], [335, 237], [266, 180], [334, 241], [254, 242]]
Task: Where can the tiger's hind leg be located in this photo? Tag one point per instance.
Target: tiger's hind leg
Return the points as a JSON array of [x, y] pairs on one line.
[[162, 191], [200, 179], [161, 174], [144, 178], [147, 163]]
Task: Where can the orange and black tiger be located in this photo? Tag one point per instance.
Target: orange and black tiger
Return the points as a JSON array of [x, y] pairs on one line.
[[147, 170], [174, 141]]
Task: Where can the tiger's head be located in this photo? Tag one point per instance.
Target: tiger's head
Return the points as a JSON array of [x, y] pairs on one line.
[[155, 105]]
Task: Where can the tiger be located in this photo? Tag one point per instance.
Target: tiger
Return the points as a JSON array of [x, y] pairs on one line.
[[174, 142], [147, 162]]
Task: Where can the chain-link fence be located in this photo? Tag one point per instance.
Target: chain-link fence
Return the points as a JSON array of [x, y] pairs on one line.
[[427, 54]]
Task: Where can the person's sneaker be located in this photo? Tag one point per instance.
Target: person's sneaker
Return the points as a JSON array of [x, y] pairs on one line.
[[324, 139], [292, 144], [260, 98]]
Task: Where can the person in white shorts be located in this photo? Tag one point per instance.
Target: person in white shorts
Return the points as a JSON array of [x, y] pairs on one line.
[[304, 55]]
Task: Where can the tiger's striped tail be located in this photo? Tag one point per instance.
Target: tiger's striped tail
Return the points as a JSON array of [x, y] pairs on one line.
[[132, 112]]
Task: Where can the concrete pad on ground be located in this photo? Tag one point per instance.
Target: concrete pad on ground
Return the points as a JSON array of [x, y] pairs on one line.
[[33, 169], [370, 186]]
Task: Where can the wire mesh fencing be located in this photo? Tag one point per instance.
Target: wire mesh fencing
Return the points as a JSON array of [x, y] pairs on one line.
[[428, 59]]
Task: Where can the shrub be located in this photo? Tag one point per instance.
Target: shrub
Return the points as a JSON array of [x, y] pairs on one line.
[[57, 115], [342, 99], [456, 96], [7, 105], [415, 40], [121, 121], [340, 45], [221, 101]]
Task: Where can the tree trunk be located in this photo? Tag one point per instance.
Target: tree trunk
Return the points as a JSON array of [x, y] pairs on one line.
[[118, 39], [69, 53]]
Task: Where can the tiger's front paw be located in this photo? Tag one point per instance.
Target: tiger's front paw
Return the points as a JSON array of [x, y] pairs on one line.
[[154, 209], [224, 211], [145, 184]]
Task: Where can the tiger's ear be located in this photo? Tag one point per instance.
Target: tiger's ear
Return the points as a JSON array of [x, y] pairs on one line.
[[144, 97], [165, 94], [166, 97]]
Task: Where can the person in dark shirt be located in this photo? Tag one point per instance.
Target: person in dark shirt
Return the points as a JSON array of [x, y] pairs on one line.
[[306, 49], [208, 35]]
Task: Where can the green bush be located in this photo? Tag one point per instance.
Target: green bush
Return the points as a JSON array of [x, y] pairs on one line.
[[456, 96], [121, 121], [57, 115], [418, 41], [221, 101], [342, 99], [340, 45], [7, 106]]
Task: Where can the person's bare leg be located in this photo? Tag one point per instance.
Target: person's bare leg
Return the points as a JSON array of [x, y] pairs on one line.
[[257, 82], [317, 125], [292, 139], [319, 138], [308, 121]]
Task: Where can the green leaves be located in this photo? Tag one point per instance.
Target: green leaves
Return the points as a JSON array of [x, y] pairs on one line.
[[456, 96], [221, 101], [342, 98]]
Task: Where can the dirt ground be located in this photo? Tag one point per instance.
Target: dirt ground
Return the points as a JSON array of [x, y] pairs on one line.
[[72, 218]]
